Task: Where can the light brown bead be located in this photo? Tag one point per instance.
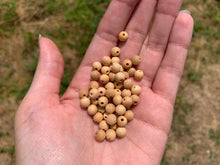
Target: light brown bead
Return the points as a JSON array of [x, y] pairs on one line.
[[115, 60], [117, 91], [114, 127], [126, 75], [95, 101], [136, 60], [105, 70], [117, 99], [120, 109], [109, 85], [100, 135], [119, 77], [118, 85], [101, 110], [111, 119], [115, 68], [104, 79], [102, 91], [96, 66], [97, 118], [110, 108], [93, 84], [127, 101], [95, 75], [122, 121], [115, 51], [136, 89], [126, 92], [128, 84], [121, 132], [127, 64], [110, 135], [138, 75], [123, 36], [103, 125], [83, 93], [129, 115], [111, 76], [84, 102], [92, 109], [103, 101], [131, 72], [110, 93], [135, 99], [94, 93], [106, 61]]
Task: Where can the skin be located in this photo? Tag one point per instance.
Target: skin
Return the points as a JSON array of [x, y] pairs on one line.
[[54, 130]]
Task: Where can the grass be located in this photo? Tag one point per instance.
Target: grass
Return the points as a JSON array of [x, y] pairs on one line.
[[215, 135]]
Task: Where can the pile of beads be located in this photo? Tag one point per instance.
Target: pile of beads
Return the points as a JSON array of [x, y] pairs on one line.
[[112, 93]]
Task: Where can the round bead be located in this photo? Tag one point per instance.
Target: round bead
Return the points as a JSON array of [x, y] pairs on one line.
[[103, 101], [110, 135], [126, 75], [116, 67], [115, 60], [136, 60], [136, 89], [92, 109], [127, 64], [118, 85], [135, 99], [103, 125], [117, 99], [95, 75], [105, 70], [119, 77], [97, 118], [111, 119], [131, 72], [121, 121], [83, 93], [117, 91], [111, 76], [128, 84], [84, 102], [93, 84], [110, 93], [102, 91], [94, 93], [126, 92], [115, 51], [123, 36], [97, 66], [129, 115], [120, 109], [104, 79], [110, 108], [138, 75], [127, 101], [121, 132], [100, 135], [109, 85], [106, 61]]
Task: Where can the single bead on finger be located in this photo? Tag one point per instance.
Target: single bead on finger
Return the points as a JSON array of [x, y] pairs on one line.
[[100, 135], [136, 60], [93, 84], [104, 79], [111, 119], [123, 36], [95, 75], [98, 117], [92, 109], [115, 51], [121, 132], [136, 89], [129, 115], [138, 74], [127, 64], [110, 135], [97, 66], [83, 93], [84, 102], [103, 125], [94, 93], [121, 121], [106, 61]]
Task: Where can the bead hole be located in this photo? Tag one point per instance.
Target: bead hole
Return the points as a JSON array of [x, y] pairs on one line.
[[102, 102], [123, 34], [122, 119]]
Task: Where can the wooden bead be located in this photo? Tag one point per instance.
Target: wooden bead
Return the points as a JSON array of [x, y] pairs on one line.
[[110, 135], [115, 60], [97, 118], [100, 135], [110, 93], [115, 51], [135, 99], [83, 93], [95, 75], [110, 108], [128, 84], [109, 85], [93, 84], [122, 121], [115, 68], [123, 36], [101, 109], [111, 119], [104, 79], [126, 75], [120, 109], [92, 109], [94, 93], [131, 72], [138, 75], [136, 89], [84, 102], [129, 115], [103, 101], [103, 125], [126, 92], [111, 76], [136, 60], [106, 61], [127, 101], [118, 85], [119, 77], [121, 132], [105, 70], [95, 101], [102, 91], [127, 64], [97, 66], [117, 99], [117, 91]]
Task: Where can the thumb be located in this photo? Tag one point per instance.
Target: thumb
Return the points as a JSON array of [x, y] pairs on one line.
[[49, 70]]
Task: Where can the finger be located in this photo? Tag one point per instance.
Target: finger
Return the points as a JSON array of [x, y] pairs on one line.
[[114, 21], [49, 70], [170, 71], [153, 50]]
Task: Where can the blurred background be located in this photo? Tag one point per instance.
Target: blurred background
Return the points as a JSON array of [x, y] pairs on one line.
[[195, 134]]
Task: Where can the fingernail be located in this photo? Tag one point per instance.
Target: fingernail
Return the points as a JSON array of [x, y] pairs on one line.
[[40, 36], [185, 11]]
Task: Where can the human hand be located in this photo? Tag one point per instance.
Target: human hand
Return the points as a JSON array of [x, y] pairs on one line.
[[54, 130]]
